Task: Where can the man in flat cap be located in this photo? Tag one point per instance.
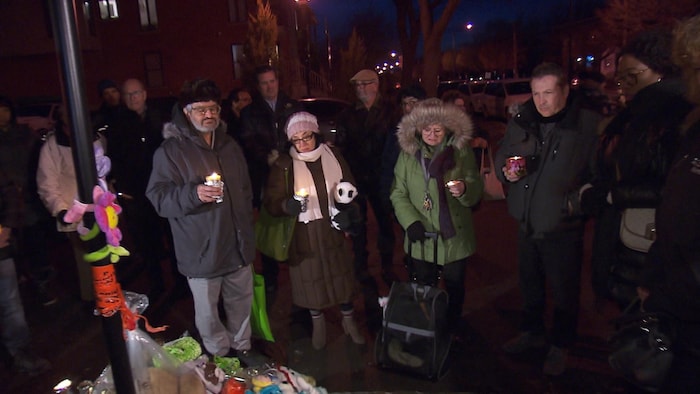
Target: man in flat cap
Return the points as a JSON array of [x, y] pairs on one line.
[[362, 134]]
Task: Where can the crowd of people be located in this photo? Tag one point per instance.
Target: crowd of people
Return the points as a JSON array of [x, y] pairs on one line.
[[566, 157]]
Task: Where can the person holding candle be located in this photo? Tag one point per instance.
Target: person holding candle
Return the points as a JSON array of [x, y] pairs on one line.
[[302, 183], [555, 138], [214, 242], [436, 184]]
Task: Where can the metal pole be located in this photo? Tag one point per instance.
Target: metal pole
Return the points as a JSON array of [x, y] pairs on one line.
[[63, 16]]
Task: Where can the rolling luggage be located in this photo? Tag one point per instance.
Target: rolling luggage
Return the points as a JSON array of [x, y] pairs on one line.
[[414, 337]]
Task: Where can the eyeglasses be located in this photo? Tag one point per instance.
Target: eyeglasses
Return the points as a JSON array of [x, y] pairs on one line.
[[436, 131], [409, 102], [630, 78], [133, 94], [202, 111], [297, 141]]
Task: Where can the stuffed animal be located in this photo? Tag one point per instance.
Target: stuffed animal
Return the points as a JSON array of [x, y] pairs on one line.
[[348, 216]]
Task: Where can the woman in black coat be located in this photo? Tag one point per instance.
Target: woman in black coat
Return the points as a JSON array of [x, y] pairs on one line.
[[672, 287]]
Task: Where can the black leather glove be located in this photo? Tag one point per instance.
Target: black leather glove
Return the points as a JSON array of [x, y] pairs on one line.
[[61, 217], [292, 207], [342, 218], [593, 200], [416, 231]]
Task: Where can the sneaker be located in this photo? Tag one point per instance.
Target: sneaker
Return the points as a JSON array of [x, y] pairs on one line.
[[555, 362], [524, 342], [29, 364]]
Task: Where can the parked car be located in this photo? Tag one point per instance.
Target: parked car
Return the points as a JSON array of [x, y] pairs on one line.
[[39, 116], [326, 109], [501, 98], [474, 90], [444, 86]]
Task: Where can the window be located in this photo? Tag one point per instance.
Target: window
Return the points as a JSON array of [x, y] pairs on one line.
[[108, 9], [237, 54], [237, 11], [148, 14], [154, 69]]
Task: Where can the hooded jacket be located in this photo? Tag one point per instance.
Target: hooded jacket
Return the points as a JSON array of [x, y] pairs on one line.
[[210, 239], [558, 164], [453, 159]]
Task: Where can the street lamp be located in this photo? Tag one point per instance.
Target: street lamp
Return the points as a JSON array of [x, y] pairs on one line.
[[467, 27], [307, 60]]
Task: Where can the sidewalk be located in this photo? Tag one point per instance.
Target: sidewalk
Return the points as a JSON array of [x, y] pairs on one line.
[[72, 340]]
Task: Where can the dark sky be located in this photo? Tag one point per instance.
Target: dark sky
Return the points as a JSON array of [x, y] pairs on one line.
[[478, 12]]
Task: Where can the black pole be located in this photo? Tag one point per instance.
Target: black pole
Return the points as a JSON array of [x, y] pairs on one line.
[[67, 45]]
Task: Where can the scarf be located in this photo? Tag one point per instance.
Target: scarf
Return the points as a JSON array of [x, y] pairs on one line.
[[304, 180], [441, 162]]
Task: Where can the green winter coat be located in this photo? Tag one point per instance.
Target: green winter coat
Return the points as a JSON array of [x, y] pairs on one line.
[[409, 188]]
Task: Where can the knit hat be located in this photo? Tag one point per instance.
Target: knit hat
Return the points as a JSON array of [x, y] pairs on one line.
[[106, 84], [301, 121]]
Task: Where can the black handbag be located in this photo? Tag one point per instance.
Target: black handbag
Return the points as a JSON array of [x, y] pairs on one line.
[[642, 348]]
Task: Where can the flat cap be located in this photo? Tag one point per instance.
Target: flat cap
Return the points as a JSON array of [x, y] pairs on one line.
[[365, 75]]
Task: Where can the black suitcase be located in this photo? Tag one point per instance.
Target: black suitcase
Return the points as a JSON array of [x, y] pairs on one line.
[[414, 337]]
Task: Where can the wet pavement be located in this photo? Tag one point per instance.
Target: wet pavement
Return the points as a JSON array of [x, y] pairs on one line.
[[71, 338]]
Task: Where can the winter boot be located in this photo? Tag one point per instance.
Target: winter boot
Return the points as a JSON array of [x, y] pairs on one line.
[[318, 337], [350, 328]]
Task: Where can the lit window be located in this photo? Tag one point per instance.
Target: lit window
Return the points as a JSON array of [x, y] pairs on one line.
[[108, 9], [148, 14]]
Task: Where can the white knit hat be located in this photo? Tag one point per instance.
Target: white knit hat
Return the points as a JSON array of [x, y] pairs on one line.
[[301, 121]]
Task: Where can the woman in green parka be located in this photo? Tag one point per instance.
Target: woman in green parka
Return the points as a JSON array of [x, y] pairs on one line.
[[436, 182]]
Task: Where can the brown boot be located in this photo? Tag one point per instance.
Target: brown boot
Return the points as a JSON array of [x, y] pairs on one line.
[[318, 337], [350, 328]]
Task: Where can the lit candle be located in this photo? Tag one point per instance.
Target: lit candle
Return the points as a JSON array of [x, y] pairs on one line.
[[214, 177], [302, 192], [451, 183]]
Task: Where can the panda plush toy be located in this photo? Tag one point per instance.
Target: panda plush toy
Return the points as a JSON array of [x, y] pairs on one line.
[[348, 216]]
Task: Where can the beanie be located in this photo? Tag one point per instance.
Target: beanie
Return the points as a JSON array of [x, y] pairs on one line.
[[105, 84], [301, 121]]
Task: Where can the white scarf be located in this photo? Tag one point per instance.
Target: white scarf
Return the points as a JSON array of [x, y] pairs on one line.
[[303, 179]]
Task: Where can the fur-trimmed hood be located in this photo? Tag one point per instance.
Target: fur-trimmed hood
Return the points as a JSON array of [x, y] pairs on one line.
[[179, 126], [458, 125]]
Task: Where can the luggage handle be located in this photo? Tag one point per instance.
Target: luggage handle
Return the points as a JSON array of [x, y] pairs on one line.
[[434, 235]]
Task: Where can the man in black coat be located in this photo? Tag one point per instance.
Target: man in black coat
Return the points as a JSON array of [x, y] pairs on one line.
[[263, 138]]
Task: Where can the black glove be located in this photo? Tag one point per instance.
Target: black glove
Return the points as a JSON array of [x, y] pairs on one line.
[[593, 200], [61, 217], [342, 219], [292, 207], [416, 231]]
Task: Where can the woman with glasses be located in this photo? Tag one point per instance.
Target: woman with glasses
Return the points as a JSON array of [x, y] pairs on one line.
[[436, 184], [633, 158], [305, 183]]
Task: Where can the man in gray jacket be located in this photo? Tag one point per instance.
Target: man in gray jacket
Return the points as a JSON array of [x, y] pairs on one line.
[[545, 156], [212, 225]]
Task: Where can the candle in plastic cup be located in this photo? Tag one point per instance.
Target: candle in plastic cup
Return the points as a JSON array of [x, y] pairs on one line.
[[515, 165], [450, 183], [302, 195], [215, 180]]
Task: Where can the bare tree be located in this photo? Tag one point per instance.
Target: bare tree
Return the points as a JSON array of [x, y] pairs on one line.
[[352, 59], [409, 33], [622, 19]]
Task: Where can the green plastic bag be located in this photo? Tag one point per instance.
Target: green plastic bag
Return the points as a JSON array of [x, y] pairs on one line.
[[259, 323]]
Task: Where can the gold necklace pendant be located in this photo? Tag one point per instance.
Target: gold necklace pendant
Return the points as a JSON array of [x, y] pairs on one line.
[[427, 202]]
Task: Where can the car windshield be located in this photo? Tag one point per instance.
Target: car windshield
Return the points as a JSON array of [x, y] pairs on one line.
[[518, 88], [324, 109], [42, 110]]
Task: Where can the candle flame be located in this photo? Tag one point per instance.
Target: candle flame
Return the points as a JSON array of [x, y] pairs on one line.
[[302, 192], [213, 177]]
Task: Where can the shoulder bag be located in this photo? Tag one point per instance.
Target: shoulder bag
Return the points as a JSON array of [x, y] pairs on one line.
[[493, 189], [638, 229], [274, 233]]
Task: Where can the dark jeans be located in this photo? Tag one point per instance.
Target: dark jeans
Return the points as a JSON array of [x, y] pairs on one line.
[[147, 231], [453, 275], [385, 236], [554, 259]]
